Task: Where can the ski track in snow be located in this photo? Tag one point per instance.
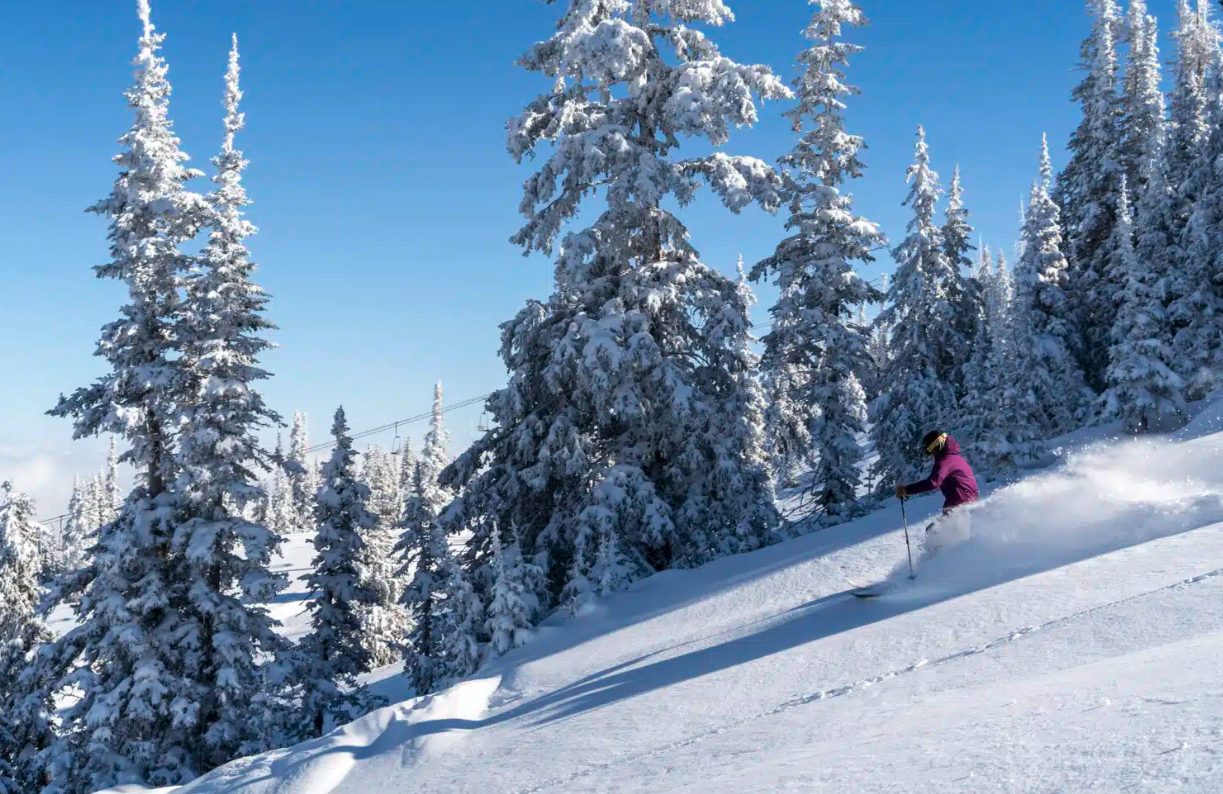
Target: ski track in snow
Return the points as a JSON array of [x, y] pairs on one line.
[[862, 685]]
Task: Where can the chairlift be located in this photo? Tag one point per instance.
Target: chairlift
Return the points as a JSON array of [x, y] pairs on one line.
[[397, 444], [482, 424]]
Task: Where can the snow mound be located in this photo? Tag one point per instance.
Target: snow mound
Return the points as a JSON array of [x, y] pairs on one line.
[[1209, 420], [414, 730]]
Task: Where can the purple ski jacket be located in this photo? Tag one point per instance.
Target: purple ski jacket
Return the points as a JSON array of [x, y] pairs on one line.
[[952, 475]]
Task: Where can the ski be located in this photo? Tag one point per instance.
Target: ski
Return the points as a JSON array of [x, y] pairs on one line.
[[870, 591]]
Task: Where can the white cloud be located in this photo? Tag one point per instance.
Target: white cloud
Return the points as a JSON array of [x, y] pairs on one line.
[[45, 472]]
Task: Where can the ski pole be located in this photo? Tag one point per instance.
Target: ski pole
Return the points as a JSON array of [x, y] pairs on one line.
[[908, 546]]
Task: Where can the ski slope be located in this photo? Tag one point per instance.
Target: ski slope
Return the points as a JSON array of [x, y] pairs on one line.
[[1072, 643]]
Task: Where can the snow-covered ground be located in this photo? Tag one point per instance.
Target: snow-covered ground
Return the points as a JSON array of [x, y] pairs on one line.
[[1072, 644]]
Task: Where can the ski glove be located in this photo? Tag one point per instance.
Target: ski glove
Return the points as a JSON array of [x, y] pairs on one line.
[[901, 493]]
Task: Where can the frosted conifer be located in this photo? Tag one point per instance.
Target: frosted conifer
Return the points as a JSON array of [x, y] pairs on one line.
[[632, 398], [1143, 110], [815, 352], [1143, 391], [462, 619], [511, 611], [383, 623], [74, 537], [1088, 189], [130, 720], [1197, 289], [925, 344], [297, 469], [25, 729], [1042, 311], [966, 302], [223, 561], [332, 653], [110, 483], [425, 562]]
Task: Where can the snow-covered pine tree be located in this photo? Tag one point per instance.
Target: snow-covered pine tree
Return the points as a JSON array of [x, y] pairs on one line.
[[435, 454], [925, 341], [982, 374], [407, 470], [1041, 312], [332, 654], [512, 609], [223, 561], [1087, 190], [1163, 213], [870, 376], [425, 562], [878, 345], [112, 499], [297, 472], [383, 623], [462, 623], [74, 536], [632, 396], [1143, 391], [1197, 41], [1142, 102], [1197, 285], [26, 727], [279, 513], [20, 563], [966, 302], [125, 658], [815, 352], [1008, 428]]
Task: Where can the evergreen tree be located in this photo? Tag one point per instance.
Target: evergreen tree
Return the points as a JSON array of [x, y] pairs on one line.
[[632, 399], [25, 729], [74, 536], [462, 619], [407, 470], [983, 372], [1144, 392], [425, 562], [20, 590], [925, 342], [1143, 110], [130, 721], [815, 351], [1197, 40], [112, 500], [511, 612], [222, 560], [332, 653], [966, 302], [298, 468], [1088, 190], [1042, 310], [281, 512], [1005, 415], [1197, 285], [383, 623], [1163, 213]]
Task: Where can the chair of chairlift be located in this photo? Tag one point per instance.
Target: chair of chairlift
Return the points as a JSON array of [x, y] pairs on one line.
[[397, 444]]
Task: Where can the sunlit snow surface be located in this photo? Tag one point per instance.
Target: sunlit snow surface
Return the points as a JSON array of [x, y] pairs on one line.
[[1073, 643]]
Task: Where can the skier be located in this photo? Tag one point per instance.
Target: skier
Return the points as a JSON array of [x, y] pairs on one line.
[[954, 477]]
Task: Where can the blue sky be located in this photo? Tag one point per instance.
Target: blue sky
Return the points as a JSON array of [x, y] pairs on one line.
[[383, 191]]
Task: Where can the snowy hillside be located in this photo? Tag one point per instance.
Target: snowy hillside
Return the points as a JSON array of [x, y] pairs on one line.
[[1071, 645]]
